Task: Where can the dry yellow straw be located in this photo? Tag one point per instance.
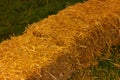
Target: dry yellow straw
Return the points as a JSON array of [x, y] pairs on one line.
[[55, 47]]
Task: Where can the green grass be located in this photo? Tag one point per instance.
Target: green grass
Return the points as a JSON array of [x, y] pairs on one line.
[[15, 15]]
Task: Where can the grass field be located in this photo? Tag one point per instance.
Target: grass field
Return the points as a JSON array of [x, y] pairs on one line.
[[15, 15]]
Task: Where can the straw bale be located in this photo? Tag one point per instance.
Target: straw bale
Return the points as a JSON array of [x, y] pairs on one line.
[[55, 47]]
